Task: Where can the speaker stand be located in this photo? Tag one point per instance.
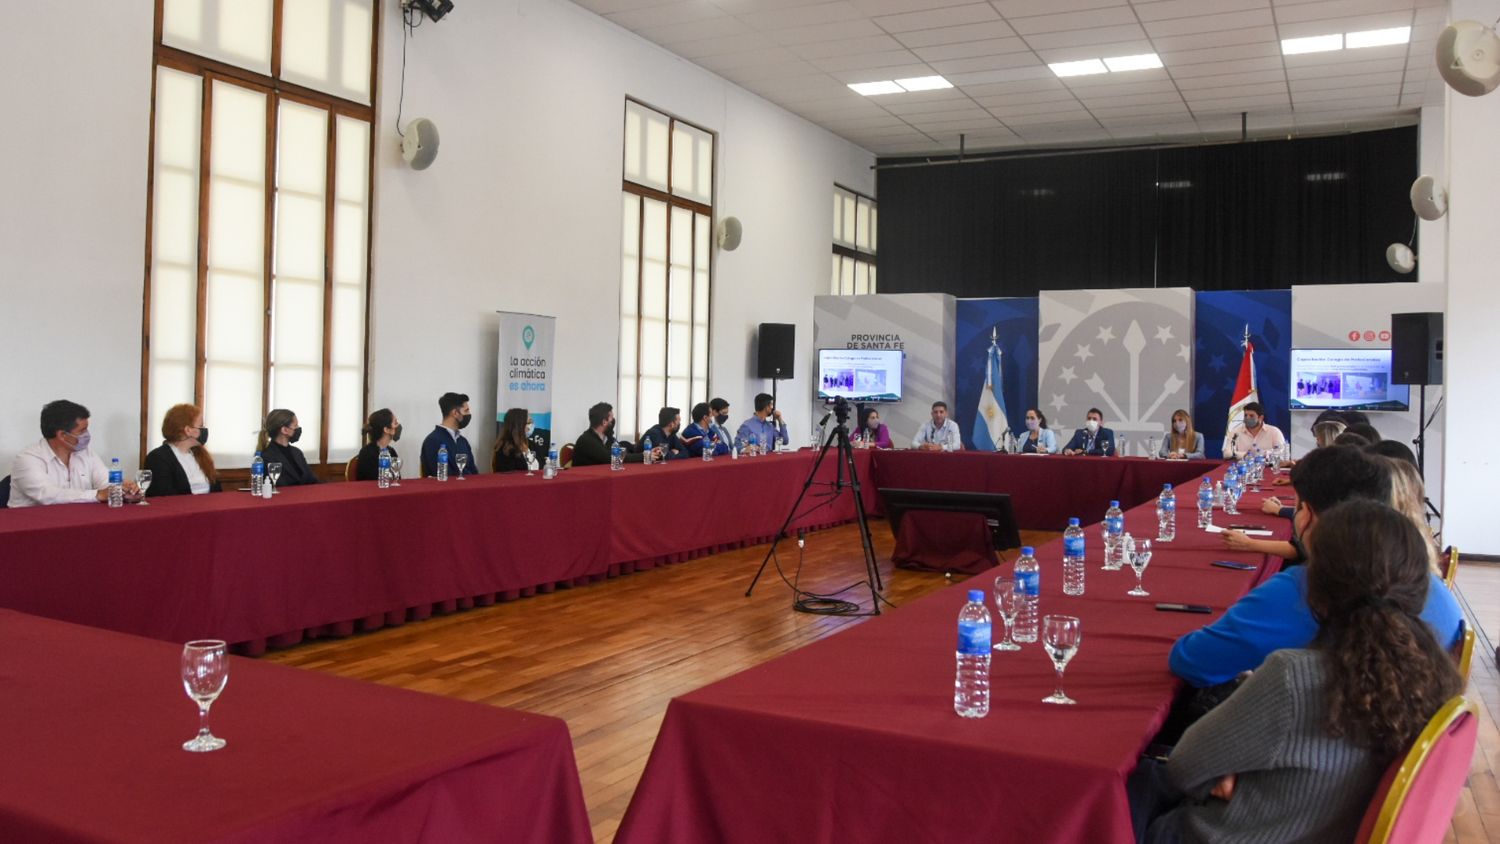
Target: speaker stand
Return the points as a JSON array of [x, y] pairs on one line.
[[1421, 443]]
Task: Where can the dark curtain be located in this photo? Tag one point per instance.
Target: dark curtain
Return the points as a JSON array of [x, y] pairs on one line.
[[1260, 215]]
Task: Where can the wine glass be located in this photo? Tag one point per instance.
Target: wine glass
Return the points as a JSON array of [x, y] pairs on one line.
[[1151, 451], [530, 463], [143, 480], [461, 460], [1139, 557], [1061, 634], [205, 670], [395, 470], [1008, 604], [273, 471]]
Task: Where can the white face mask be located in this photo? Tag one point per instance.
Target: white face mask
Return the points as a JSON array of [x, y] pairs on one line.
[[1092, 425], [1180, 427], [530, 427], [1033, 424]]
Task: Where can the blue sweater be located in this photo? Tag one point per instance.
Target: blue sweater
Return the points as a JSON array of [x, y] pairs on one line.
[[1275, 615], [695, 437], [440, 437]]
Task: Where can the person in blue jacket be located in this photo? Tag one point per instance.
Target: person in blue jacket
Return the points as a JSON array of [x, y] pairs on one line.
[[1093, 438], [702, 431], [456, 417]]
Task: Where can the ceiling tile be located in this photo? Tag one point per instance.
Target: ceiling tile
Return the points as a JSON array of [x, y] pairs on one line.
[[1165, 9], [838, 31], [1229, 79], [1029, 8], [1329, 9], [1097, 51], [1029, 109], [1209, 40], [939, 18], [1170, 27], [1267, 63], [956, 34], [1074, 21], [1221, 54], [722, 44], [1016, 78], [1085, 37], [993, 47], [695, 30], [903, 71], [846, 47], [865, 61], [802, 16], [982, 63], [692, 10], [1300, 29]]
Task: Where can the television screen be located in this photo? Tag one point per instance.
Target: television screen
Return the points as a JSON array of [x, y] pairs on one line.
[[859, 375], [1345, 379]]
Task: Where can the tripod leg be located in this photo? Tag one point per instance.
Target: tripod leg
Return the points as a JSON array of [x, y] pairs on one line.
[[791, 514], [872, 566]]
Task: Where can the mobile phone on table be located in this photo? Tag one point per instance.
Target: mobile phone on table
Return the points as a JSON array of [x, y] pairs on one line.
[[1230, 564], [1198, 608], [1246, 527]]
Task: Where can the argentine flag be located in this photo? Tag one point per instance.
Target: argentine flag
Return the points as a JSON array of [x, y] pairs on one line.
[[990, 423]]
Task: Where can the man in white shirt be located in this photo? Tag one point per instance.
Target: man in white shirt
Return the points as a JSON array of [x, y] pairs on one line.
[[940, 433], [1252, 433], [60, 469]]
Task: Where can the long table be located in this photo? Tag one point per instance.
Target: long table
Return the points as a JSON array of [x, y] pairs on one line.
[[854, 738], [94, 723]]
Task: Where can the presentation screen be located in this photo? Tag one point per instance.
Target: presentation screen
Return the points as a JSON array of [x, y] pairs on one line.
[[860, 375], [1345, 379]]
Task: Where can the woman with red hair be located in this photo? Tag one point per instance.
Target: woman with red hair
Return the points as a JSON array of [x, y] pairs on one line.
[[181, 465]]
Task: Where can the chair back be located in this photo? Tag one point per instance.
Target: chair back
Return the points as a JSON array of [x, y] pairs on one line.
[[5, 491], [351, 469], [1450, 567], [565, 456], [1463, 650], [1415, 800]]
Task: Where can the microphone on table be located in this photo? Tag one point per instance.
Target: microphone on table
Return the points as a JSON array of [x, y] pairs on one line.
[[824, 420]]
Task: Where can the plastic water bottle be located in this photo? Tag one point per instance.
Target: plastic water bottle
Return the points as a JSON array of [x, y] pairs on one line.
[[383, 477], [549, 471], [1073, 554], [1205, 504], [1166, 514], [646, 451], [1114, 528], [971, 685], [442, 463], [116, 483], [709, 444], [1231, 491], [257, 475], [1029, 586], [616, 458]]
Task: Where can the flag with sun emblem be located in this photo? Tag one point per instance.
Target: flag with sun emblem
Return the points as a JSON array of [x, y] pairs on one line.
[[990, 422]]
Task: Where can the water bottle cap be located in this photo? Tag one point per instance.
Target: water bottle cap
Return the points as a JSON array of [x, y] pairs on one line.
[[976, 595], [1166, 486], [1073, 522], [1114, 503], [1027, 551]]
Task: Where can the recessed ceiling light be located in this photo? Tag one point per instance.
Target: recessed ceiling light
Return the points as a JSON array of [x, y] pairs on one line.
[[1312, 44], [1145, 61], [1378, 37], [1083, 68], [924, 83], [1329, 176], [1176, 184], [870, 89]]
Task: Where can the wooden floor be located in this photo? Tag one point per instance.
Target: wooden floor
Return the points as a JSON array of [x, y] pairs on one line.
[[607, 658]]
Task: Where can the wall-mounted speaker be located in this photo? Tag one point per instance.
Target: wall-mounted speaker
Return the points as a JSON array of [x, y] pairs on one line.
[[776, 350], [1417, 348]]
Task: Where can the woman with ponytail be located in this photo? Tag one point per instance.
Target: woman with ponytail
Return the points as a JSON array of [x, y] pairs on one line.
[[1296, 752], [382, 430], [181, 465], [276, 444]]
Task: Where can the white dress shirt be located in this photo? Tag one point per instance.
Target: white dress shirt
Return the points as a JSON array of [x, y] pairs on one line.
[[197, 481], [946, 436], [38, 477], [1238, 441]]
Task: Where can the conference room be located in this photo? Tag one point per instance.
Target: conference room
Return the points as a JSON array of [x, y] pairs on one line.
[[616, 404]]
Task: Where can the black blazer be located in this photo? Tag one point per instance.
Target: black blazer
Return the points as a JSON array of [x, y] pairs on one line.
[[294, 468], [589, 450], [167, 475], [368, 466], [502, 461]]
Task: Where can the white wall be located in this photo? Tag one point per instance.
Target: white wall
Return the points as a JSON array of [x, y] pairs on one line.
[[1432, 235], [521, 211]]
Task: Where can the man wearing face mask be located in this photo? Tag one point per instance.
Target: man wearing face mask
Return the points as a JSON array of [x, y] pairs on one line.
[[594, 445], [60, 469], [720, 423], [1093, 438], [278, 438], [700, 433], [1252, 433], [456, 417]]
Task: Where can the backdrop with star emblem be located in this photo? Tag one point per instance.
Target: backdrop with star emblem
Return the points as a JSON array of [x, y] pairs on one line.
[[1127, 352], [1014, 324], [1220, 320]]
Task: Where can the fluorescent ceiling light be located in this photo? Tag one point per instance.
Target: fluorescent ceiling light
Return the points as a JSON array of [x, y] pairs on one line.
[[1330, 176], [1312, 44], [1145, 61], [924, 83], [870, 89], [1083, 68], [1377, 37], [1179, 184]]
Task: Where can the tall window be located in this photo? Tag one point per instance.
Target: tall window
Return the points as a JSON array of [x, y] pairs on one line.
[[853, 243], [259, 218], [666, 279]]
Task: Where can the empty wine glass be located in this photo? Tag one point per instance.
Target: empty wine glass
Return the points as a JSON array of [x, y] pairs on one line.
[[1061, 634], [395, 470], [1008, 604], [1151, 451], [461, 460], [205, 670], [1140, 557], [530, 463], [273, 471], [143, 480]]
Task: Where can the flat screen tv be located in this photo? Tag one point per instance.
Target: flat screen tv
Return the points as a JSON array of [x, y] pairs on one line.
[[860, 375], [1346, 379]]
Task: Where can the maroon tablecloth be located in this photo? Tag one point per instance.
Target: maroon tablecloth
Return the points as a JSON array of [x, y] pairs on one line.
[[854, 738], [92, 725]]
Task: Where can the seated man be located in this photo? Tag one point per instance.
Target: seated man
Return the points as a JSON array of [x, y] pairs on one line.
[[938, 433], [719, 425], [456, 417], [764, 428], [1325, 477], [665, 444], [1093, 438], [1254, 433], [594, 445], [60, 468], [1275, 614], [702, 433]]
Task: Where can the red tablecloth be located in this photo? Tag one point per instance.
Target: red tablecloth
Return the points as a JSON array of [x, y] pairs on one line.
[[93, 724], [854, 738]]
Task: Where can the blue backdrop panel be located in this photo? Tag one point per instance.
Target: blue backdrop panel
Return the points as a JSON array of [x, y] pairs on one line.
[[1221, 319], [1017, 321]]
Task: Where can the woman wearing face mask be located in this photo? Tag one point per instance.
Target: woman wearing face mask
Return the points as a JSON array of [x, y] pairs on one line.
[[1038, 439], [872, 430], [276, 446], [382, 430], [1183, 443], [181, 465], [512, 450]]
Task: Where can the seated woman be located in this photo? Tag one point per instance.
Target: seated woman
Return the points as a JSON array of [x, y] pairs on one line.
[[181, 465], [276, 446], [1297, 750], [382, 430], [871, 430], [1038, 439], [1183, 443], [512, 449]]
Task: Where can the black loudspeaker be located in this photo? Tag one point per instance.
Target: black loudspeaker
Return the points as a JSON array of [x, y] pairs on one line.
[[1417, 348], [777, 349]]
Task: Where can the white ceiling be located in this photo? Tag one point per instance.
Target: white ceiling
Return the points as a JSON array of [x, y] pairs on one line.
[[1221, 57]]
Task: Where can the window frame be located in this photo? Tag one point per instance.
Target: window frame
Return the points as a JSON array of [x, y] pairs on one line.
[[854, 253], [275, 89]]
